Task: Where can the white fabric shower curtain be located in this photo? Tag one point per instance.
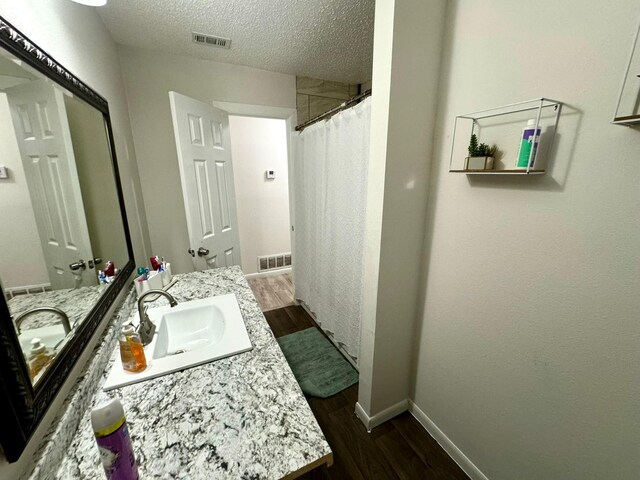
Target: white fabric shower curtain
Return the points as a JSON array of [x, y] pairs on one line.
[[330, 175]]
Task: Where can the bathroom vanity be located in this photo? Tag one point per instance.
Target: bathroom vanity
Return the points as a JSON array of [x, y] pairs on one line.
[[239, 417]]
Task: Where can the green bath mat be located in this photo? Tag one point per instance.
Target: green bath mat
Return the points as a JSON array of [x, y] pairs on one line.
[[318, 367]]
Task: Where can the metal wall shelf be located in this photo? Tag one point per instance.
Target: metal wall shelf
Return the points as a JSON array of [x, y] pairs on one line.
[[628, 106], [500, 172], [537, 104]]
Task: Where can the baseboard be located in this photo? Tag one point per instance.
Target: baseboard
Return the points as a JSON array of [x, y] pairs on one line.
[[268, 273], [379, 418], [447, 445], [362, 415], [11, 292]]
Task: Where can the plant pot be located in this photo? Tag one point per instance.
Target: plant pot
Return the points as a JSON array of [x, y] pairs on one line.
[[478, 163]]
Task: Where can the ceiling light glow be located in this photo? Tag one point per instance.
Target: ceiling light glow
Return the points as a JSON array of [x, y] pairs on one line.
[[91, 3]]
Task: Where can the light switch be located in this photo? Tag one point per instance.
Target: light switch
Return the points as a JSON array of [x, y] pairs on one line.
[[270, 174], [4, 172]]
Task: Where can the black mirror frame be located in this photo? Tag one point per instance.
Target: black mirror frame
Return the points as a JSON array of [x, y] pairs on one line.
[[22, 406]]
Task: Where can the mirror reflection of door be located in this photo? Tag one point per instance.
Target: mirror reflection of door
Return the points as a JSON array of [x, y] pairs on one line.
[[59, 208], [44, 139], [206, 172]]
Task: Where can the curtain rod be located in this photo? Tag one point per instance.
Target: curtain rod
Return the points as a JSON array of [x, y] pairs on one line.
[[344, 105]]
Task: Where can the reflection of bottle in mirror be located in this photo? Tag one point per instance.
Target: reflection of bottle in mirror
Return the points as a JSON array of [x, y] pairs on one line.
[[110, 269], [132, 350], [39, 357]]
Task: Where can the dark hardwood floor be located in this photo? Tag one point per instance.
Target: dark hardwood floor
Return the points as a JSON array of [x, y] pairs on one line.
[[398, 449]]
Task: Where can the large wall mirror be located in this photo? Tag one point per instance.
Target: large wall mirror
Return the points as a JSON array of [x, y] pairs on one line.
[[65, 251]]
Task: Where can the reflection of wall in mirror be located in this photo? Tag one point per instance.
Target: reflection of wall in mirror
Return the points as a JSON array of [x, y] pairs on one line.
[[95, 172], [21, 260]]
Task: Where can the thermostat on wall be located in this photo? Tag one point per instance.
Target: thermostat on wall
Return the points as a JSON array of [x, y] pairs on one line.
[[270, 174], [4, 173]]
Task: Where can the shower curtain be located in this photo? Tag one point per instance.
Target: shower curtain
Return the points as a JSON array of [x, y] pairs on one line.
[[330, 175]]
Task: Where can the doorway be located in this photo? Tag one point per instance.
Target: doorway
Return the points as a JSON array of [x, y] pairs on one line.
[[260, 170], [261, 151]]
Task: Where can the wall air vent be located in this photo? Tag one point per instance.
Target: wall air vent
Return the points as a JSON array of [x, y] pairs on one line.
[[211, 40], [274, 262]]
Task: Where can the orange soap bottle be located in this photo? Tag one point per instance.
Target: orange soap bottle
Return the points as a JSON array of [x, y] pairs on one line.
[[132, 350]]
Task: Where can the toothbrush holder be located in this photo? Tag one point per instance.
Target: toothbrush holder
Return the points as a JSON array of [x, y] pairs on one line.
[[166, 275], [154, 282]]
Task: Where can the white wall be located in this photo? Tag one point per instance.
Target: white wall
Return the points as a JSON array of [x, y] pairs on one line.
[[407, 43], [529, 357], [76, 37], [149, 76], [257, 145], [21, 259]]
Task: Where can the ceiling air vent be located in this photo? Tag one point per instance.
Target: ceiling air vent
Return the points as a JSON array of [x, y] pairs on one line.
[[211, 40]]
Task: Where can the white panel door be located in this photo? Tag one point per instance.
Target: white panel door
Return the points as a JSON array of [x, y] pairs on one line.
[[42, 131], [204, 156]]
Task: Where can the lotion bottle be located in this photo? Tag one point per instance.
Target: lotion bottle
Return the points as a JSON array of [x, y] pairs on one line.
[[132, 350], [528, 140], [39, 357], [114, 443]]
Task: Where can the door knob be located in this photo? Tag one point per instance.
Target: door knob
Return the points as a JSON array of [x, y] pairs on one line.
[[202, 252], [80, 264], [191, 252], [95, 262]]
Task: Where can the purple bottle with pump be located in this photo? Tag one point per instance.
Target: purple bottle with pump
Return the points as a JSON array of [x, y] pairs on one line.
[[112, 436]]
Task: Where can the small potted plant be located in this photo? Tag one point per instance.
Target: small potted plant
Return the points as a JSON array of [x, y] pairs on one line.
[[480, 156]]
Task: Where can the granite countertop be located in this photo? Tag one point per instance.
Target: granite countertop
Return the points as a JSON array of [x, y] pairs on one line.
[[240, 417], [75, 302]]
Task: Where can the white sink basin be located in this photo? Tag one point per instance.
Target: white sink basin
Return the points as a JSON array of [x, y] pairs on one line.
[[190, 334], [180, 331]]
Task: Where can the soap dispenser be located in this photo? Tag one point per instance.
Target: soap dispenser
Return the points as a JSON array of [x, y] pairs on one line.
[[39, 357], [132, 350]]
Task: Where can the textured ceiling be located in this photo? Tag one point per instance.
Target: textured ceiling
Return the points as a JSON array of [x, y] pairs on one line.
[[327, 39]]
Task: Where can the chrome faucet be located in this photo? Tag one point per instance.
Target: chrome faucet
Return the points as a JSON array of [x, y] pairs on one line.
[[147, 328], [65, 319]]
